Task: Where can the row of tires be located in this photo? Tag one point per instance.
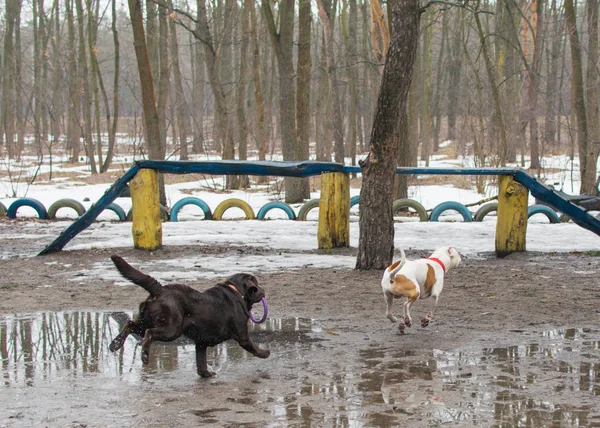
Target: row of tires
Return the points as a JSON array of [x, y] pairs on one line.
[[399, 205]]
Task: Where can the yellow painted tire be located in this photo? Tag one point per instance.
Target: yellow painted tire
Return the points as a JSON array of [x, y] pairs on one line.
[[2, 209], [233, 203]]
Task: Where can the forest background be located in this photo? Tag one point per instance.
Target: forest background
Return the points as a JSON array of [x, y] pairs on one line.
[[509, 81]]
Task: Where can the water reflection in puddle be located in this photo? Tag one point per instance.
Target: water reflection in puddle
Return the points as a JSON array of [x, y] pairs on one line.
[[540, 378]]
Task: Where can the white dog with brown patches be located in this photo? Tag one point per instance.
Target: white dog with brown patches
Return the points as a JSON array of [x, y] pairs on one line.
[[417, 279]]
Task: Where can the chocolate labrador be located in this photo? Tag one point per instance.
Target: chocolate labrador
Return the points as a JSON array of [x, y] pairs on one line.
[[207, 318]]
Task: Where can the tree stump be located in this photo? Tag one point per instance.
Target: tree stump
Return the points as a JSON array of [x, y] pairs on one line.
[[334, 211], [145, 210], [511, 226]]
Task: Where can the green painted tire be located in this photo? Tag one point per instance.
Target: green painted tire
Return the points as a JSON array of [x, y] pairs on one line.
[[411, 203], [65, 203], [233, 203], [164, 215], [116, 208], [306, 208], [484, 210]]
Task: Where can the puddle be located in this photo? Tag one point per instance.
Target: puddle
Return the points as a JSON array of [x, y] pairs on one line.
[[536, 378]]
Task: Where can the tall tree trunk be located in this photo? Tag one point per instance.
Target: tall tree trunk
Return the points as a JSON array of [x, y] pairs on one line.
[[203, 34], [303, 70], [181, 107], [326, 12], [163, 77], [56, 101], [376, 240], [578, 98], [455, 72], [146, 83], [198, 111], [553, 64], [258, 93], [283, 43], [322, 119], [425, 74], [497, 104], [112, 127], [85, 87], [351, 40], [95, 76], [74, 103], [593, 99], [241, 90], [7, 122]]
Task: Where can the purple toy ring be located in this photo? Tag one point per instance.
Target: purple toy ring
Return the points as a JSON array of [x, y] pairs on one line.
[[265, 312]]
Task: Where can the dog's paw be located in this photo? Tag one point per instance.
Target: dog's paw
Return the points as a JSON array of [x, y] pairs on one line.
[[263, 353], [401, 328], [116, 344], [392, 318], [206, 373]]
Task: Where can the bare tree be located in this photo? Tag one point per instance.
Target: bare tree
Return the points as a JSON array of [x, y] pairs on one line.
[[326, 10], [376, 240]]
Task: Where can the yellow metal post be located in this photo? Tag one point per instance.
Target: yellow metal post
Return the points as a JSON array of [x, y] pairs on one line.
[[146, 220], [511, 227], [334, 211]]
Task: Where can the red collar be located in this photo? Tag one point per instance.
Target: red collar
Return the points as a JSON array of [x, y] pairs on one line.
[[435, 259]]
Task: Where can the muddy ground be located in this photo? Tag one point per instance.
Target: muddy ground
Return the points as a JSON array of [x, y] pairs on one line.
[[514, 343]]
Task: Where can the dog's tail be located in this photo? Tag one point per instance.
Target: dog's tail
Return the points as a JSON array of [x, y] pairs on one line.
[[148, 283], [397, 268]]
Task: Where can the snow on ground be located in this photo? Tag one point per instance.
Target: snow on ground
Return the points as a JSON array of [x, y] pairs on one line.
[[290, 238]]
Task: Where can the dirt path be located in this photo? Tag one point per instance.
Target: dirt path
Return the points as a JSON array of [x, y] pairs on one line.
[[505, 331]]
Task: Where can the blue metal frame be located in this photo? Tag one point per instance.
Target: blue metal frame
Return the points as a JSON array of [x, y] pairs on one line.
[[307, 169]]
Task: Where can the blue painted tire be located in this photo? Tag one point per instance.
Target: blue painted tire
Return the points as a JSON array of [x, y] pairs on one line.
[[120, 212], [65, 203], [164, 215], [303, 213], [410, 203], [275, 204], [2, 209], [27, 202], [484, 210], [451, 206], [543, 209], [191, 200], [354, 200]]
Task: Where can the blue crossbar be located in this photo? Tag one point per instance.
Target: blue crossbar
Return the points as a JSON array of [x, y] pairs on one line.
[[307, 169]]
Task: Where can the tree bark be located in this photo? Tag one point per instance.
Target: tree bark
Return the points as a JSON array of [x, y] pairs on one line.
[[338, 131], [593, 100], [181, 107], [258, 92], [376, 240], [303, 70], [578, 97], [283, 43], [146, 82]]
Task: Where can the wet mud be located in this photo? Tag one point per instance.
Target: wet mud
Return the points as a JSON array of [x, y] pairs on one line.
[[515, 342]]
